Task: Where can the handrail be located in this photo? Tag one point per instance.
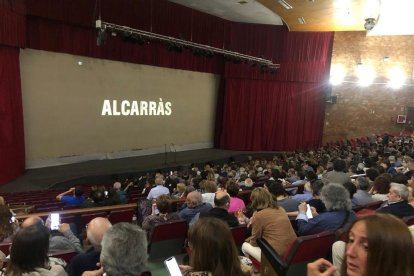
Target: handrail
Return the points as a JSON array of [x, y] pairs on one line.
[[82, 210]]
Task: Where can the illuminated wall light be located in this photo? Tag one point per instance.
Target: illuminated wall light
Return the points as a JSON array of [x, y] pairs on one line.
[[397, 78], [337, 75], [366, 74]]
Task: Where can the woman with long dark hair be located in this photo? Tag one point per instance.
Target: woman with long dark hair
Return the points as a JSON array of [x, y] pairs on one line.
[[212, 254]]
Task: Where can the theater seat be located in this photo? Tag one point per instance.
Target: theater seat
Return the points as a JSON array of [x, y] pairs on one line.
[[409, 220], [66, 255], [121, 216], [167, 239], [303, 249], [239, 234]]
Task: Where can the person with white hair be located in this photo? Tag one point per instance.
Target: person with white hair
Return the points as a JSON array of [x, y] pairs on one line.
[[95, 231], [338, 212], [124, 251], [122, 194], [159, 189], [398, 202]]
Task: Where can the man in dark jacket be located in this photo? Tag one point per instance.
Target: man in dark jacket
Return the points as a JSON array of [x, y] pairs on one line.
[[221, 205], [398, 202]]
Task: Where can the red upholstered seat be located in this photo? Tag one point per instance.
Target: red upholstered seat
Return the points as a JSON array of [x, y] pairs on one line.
[[408, 220], [121, 216], [239, 234], [167, 239], [303, 249]]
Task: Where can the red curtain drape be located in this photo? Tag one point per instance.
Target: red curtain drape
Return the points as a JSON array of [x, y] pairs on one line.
[[268, 115], [12, 155], [277, 111]]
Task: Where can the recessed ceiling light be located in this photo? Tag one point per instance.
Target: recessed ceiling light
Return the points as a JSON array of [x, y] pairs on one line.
[[285, 4], [301, 20]]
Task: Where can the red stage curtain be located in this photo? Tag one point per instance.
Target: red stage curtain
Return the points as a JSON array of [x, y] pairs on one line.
[[274, 116], [12, 156]]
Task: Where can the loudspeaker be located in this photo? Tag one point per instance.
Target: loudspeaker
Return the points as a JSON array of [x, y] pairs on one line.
[[331, 99]]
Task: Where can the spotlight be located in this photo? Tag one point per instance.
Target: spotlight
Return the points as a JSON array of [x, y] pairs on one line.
[[101, 38], [369, 23]]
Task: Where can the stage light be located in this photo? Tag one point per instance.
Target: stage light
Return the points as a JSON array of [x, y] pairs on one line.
[[397, 78], [337, 74], [366, 74]]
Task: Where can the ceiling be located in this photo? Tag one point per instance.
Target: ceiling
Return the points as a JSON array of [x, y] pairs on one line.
[[392, 16]]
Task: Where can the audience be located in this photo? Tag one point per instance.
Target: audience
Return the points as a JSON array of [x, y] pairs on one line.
[[221, 205], [8, 228], [338, 212], [74, 200], [398, 202], [124, 251], [194, 205], [159, 189], [236, 203], [56, 242], [210, 187], [362, 197], [283, 200], [213, 254], [29, 254], [161, 213], [380, 188], [95, 231], [378, 244], [338, 174], [269, 222]]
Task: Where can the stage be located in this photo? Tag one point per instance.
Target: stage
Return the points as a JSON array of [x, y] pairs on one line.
[[102, 171]]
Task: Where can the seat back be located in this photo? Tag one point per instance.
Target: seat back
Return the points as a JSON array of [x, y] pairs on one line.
[[167, 239], [374, 205], [5, 247], [303, 249], [408, 220], [86, 218], [239, 234], [310, 247], [121, 216]]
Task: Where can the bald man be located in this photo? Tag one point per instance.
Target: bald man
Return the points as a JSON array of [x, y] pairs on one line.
[[57, 242], [221, 205], [195, 206], [87, 261]]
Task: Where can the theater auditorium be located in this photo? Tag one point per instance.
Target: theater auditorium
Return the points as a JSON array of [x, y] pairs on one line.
[[185, 137]]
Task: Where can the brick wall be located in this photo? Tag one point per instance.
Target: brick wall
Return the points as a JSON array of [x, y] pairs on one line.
[[361, 111]]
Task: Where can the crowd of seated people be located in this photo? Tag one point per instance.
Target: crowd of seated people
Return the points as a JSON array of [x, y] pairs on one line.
[[225, 191]]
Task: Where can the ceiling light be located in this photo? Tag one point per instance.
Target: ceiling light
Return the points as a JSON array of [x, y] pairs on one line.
[[337, 75], [397, 78], [285, 4], [366, 74], [301, 20], [369, 23]]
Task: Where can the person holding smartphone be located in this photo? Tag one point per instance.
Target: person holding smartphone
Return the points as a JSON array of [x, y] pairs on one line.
[[67, 241]]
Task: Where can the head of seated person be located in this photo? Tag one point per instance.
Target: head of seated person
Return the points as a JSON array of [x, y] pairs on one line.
[[378, 244], [336, 197], [124, 250], [29, 250], [7, 227], [213, 253], [95, 231], [163, 203], [222, 200], [194, 199]]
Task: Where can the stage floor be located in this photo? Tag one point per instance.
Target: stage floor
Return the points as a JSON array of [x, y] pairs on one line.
[[102, 170]]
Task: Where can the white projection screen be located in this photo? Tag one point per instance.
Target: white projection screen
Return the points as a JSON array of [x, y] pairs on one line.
[[69, 114]]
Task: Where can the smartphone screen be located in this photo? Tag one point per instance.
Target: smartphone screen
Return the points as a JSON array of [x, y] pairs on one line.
[[308, 211], [54, 221], [13, 219], [172, 266]]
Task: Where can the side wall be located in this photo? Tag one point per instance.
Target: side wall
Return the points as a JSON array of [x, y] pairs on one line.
[[362, 111]]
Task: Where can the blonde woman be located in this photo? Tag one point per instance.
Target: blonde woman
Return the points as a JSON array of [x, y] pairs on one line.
[[269, 222]]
